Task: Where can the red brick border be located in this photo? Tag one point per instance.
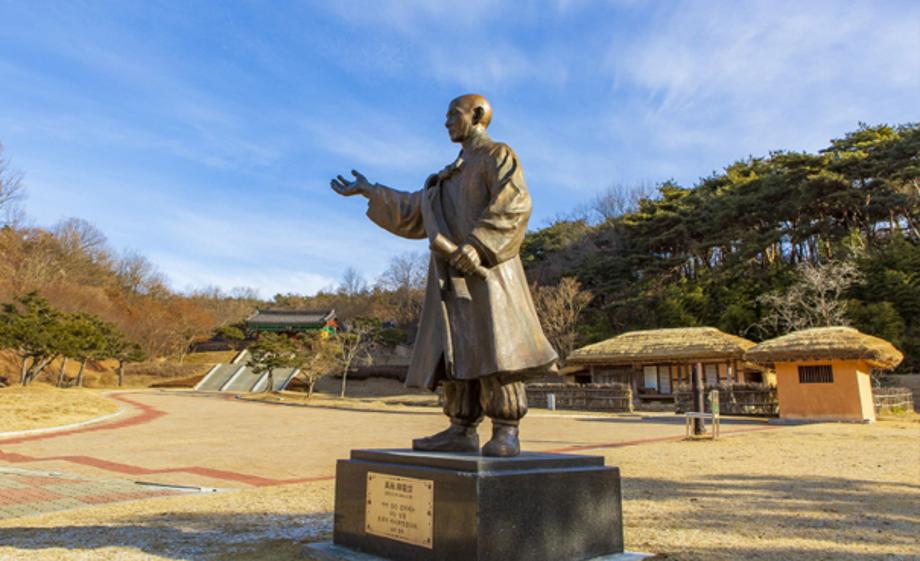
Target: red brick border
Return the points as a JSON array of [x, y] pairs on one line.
[[148, 414], [130, 469]]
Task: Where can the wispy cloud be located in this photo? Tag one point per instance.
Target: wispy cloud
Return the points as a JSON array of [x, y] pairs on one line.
[[466, 45], [208, 140], [765, 75], [189, 274], [370, 138]]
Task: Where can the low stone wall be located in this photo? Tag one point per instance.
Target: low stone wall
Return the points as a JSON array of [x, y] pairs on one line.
[[909, 381], [738, 399], [895, 400], [590, 397], [392, 372]]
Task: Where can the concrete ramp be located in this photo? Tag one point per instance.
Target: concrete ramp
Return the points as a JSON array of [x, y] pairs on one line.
[[241, 357], [281, 382], [243, 381], [239, 378], [281, 377], [216, 377]]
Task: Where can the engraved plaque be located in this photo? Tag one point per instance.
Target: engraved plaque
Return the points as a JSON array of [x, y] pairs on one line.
[[400, 508]]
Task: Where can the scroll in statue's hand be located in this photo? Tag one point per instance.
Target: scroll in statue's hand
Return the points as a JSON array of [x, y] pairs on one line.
[[360, 186], [465, 259]]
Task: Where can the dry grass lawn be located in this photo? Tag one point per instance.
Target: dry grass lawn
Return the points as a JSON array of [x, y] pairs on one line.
[[40, 406], [208, 357], [813, 492], [103, 374]]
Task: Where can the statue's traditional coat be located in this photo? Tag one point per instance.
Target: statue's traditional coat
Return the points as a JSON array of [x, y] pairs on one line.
[[479, 326]]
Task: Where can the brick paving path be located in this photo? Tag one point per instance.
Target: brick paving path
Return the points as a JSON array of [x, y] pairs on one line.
[[209, 441], [26, 493]]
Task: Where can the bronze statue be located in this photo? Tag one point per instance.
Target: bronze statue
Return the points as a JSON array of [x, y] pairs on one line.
[[479, 335]]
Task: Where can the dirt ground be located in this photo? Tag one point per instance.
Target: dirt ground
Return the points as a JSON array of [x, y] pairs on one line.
[[40, 406], [822, 492], [811, 492]]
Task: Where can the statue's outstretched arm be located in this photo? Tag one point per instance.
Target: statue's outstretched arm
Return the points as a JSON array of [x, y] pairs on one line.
[[395, 211]]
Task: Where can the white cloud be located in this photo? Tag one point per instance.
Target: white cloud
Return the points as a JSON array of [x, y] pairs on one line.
[[466, 45], [368, 138], [756, 63], [294, 242], [707, 83], [189, 274]]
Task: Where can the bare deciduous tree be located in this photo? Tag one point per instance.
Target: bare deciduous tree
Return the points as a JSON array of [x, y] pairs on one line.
[[353, 345], [12, 190], [405, 276], [815, 300], [619, 199], [353, 283], [315, 358], [559, 308], [136, 274]]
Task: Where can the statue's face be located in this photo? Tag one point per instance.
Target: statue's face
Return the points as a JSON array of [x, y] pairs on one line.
[[459, 121]]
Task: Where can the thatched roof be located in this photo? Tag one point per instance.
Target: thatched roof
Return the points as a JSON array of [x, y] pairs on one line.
[[663, 345], [827, 343]]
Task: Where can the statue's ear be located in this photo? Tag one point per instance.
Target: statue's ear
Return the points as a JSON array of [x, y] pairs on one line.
[[478, 112]]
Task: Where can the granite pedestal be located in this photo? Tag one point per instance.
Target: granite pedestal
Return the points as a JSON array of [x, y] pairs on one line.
[[402, 505]]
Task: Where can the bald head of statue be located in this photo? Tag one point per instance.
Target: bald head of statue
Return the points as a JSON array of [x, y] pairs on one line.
[[467, 116]]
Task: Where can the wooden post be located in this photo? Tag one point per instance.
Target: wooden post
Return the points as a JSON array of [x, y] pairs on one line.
[[699, 404], [714, 409]]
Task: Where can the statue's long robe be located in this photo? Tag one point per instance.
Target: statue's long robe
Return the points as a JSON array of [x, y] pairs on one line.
[[471, 327]]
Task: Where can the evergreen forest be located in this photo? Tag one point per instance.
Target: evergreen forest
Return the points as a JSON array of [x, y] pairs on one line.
[[734, 250]]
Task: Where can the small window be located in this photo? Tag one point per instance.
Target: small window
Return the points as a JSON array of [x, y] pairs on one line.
[[818, 374]]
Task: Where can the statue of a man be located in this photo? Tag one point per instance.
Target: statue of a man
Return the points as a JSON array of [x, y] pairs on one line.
[[479, 335]]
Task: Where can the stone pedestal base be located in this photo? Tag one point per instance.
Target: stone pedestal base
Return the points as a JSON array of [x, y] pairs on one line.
[[401, 505], [328, 551]]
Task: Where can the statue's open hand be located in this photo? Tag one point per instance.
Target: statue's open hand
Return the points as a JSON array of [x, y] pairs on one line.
[[360, 186], [465, 259]]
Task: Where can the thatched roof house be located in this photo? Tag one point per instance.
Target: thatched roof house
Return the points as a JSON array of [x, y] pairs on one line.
[[824, 344], [681, 344], [824, 373], [655, 361]]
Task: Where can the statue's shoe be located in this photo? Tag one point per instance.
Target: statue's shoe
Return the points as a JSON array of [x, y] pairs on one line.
[[504, 444], [457, 438]]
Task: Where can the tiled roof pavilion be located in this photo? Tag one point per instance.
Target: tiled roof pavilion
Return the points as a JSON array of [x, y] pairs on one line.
[[289, 320]]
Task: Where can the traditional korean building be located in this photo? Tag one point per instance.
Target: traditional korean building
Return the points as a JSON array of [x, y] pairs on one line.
[[825, 373], [654, 362], [290, 321]]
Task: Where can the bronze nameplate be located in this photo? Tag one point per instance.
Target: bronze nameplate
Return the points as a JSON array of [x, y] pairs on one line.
[[400, 508]]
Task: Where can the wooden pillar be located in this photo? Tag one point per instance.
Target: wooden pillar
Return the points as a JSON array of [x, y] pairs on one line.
[[699, 405]]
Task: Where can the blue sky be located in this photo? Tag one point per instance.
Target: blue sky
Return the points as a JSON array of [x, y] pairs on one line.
[[204, 134]]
